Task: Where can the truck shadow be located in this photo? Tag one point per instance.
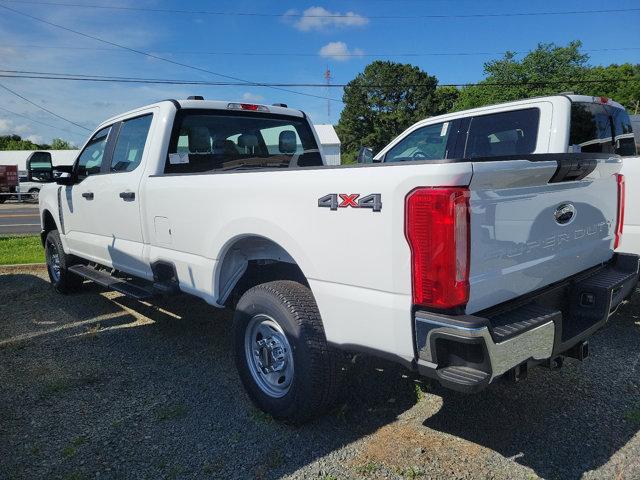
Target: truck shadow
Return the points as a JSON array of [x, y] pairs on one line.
[[560, 423], [151, 389]]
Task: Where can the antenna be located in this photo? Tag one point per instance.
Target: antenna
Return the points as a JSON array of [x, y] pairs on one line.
[[328, 77]]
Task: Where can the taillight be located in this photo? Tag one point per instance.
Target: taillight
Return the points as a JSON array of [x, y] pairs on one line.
[[437, 229], [620, 218]]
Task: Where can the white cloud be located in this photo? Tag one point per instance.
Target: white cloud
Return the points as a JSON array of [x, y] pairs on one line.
[[251, 97], [9, 127], [5, 125], [35, 139], [319, 18], [339, 51]]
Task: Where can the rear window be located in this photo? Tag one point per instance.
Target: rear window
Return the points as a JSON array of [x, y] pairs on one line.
[[504, 133], [597, 128], [213, 140]]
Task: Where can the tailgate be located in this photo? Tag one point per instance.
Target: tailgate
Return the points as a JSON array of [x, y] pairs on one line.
[[534, 223]]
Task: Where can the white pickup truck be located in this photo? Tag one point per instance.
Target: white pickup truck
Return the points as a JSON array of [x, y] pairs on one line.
[[468, 254]]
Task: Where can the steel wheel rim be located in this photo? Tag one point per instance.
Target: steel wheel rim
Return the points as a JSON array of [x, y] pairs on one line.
[[268, 355], [53, 260]]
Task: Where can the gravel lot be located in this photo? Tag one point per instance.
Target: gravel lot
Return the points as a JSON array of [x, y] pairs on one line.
[[95, 385]]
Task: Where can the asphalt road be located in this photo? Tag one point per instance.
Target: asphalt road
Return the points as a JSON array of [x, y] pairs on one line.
[[19, 218], [95, 385]]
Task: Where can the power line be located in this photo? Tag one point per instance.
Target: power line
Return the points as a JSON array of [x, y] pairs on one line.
[[42, 108], [120, 79], [336, 15], [308, 54], [157, 57], [38, 121]]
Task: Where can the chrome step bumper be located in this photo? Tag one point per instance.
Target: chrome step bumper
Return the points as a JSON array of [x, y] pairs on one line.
[[467, 352]]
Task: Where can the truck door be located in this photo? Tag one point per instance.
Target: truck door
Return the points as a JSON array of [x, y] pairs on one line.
[[118, 226], [79, 214]]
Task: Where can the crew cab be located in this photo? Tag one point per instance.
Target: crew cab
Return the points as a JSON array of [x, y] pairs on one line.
[[470, 253], [596, 125]]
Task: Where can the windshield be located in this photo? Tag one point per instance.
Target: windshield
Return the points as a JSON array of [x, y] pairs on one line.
[[216, 140]]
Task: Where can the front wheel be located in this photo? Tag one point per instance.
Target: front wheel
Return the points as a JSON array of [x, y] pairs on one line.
[[35, 193], [58, 264], [281, 351]]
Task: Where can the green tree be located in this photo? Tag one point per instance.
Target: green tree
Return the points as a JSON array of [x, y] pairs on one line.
[[60, 144], [15, 142], [446, 99], [382, 101], [547, 70]]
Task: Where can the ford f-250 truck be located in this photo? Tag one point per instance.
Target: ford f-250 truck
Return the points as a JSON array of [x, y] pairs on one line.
[[470, 254], [597, 125]]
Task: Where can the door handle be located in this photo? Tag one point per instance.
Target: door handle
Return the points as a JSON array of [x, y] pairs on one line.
[[88, 195], [128, 195]]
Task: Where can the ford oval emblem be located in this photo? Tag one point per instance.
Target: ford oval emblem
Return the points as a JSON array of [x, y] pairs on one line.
[[565, 213]]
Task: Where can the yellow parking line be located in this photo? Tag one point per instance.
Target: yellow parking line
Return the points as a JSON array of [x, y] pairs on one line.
[[12, 215]]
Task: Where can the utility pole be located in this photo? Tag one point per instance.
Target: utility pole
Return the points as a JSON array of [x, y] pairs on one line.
[[327, 78]]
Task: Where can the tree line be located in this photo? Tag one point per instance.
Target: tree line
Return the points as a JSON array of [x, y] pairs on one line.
[[15, 142], [388, 97]]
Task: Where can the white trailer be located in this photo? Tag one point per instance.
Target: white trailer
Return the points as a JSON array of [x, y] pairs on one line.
[[330, 143]]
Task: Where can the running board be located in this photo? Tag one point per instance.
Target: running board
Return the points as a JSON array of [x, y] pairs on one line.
[[109, 281]]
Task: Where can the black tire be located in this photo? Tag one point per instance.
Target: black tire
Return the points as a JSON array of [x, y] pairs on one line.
[[315, 379], [62, 279], [35, 193], [3, 198]]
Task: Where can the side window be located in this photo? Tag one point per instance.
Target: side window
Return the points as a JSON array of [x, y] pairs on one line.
[[624, 142], [590, 128], [505, 133], [426, 143], [130, 144], [90, 160]]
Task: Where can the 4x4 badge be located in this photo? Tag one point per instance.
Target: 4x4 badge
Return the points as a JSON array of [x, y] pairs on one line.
[[334, 201]]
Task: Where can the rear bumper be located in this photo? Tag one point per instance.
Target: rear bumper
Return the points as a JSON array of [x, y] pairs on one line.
[[467, 352]]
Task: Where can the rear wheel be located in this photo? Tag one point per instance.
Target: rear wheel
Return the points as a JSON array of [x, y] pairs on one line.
[[3, 198], [281, 351], [58, 263]]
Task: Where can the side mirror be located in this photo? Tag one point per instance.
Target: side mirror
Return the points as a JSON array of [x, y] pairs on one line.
[[63, 175], [39, 167], [365, 155]]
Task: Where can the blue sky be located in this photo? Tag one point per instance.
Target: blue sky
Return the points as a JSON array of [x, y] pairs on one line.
[[26, 44]]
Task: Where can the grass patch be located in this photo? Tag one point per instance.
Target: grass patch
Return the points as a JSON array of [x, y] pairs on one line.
[[411, 473], [420, 390], [171, 412], [634, 415], [61, 385], [367, 468], [260, 416], [71, 449], [21, 249], [274, 459], [213, 468], [74, 476]]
